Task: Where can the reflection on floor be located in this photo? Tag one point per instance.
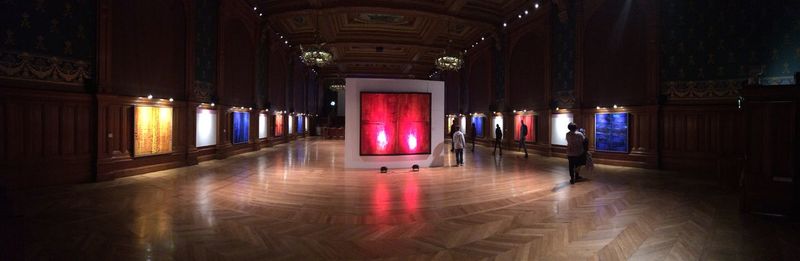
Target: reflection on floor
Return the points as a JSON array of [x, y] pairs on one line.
[[296, 201]]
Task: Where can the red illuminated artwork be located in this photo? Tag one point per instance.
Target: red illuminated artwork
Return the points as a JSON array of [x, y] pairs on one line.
[[395, 123], [528, 119], [278, 125]]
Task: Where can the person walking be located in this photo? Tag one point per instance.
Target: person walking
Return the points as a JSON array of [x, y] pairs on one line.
[[498, 139], [523, 132], [473, 135], [576, 151], [459, 143]]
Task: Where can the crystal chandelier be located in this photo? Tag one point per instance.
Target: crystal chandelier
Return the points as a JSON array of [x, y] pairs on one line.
[[449, 61], [315, 55]]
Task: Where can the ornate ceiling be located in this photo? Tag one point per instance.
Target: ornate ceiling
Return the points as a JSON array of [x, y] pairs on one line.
[[387, 38]]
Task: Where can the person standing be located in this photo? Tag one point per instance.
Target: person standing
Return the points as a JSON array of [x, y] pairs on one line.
[[523, 133], [498, 139], [453, 128], [459, 143], [473, 135], [576, 149]]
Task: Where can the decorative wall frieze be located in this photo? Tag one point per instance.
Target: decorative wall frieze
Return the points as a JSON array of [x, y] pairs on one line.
[[203, 91], [692, 90], [33, 67]]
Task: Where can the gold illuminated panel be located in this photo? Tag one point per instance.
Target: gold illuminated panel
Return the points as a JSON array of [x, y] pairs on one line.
[[152, 132]]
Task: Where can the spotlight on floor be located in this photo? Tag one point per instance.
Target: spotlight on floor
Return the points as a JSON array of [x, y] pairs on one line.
[[415, 168], [384, 169]]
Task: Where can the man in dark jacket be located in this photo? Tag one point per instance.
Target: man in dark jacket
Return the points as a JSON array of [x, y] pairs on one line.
[[523, 133], [498, 139]]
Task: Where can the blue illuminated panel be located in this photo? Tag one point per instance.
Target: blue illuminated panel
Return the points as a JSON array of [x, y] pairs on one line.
[[611, 132], [241, 127]]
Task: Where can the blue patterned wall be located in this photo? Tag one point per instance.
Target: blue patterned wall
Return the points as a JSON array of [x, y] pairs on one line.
[[206, 49], [710, 48], [241, 127], [38, 35], [563, 60]]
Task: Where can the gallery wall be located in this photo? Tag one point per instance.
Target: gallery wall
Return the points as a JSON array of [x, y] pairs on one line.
[[86, 117]]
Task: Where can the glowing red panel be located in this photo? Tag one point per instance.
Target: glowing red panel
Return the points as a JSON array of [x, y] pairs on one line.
[[278, 125], [395, 123], [528, 119]]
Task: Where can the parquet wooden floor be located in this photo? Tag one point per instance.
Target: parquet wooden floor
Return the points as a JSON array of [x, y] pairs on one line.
[[297, 202]]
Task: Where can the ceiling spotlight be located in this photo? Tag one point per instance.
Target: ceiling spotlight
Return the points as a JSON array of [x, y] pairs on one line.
[[557, 108], [482, 38], [526, 12], [519, 16], [150, 96], [260, 14], [281, 36], [212, 104], [598, 107], [536, 6], [170, 100], [615, 106], [286, 42], [505, 24]]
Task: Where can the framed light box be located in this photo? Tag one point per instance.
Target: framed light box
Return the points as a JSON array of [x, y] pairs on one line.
[[262, 126], [530, 122], [241, 127], [478, 121], [152, 133], [206, 128], [611, 132], [300, 124], [278, 125], [558, 128], [497, 120], [395, 124]]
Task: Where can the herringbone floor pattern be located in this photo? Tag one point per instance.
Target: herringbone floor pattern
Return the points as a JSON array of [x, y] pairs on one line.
[[297, 202]]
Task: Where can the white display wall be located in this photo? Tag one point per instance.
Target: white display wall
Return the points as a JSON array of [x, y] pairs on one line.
[[262, 126], [558, 128], [352, 157], [206, 128], [463, 125], [497, 120]]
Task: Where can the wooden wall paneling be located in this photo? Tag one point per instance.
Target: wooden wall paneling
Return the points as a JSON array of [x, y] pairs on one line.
[[528, 65], [146, 31], [44, 131], [116, 117], [702, 138], [479, 85]]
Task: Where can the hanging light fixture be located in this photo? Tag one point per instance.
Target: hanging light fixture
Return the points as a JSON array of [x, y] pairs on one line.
[[449, 61], [314, 55]]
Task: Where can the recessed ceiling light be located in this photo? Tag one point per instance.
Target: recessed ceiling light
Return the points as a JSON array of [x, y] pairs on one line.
[[519, 16], [536, 5], [526, 12]]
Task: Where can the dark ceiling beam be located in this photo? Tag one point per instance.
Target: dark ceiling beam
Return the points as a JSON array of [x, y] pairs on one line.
[[363, 7]]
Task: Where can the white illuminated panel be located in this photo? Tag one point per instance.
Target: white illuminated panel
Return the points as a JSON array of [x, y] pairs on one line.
[[558, 128], [463, 124], [305, 128], [291, 124], [262, 126], [206, 128], [497, 120]]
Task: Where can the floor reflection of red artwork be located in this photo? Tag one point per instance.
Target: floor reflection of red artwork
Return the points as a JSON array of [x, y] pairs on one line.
[[395, 124]]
